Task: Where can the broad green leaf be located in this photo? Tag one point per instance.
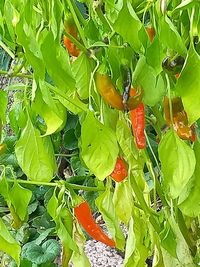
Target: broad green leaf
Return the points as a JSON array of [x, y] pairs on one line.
[[8, 244], [63, 220], [20, 198], [79, 258], [55, 18], [9, 12], [128, 26], [105, 205], [42, 254], [82, 69], [99, 148], [70, 100], [168, 240], [123, 201], [54, 116], [188, 85], [170, 37], [136, 252], [177, 163], [153, 85], [183, 254], [3, 105], [27, 38], [154, 55], [32, 156], [57, 63], [190, 206]]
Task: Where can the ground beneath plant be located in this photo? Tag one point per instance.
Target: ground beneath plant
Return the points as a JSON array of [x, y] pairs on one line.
[[102, 255]]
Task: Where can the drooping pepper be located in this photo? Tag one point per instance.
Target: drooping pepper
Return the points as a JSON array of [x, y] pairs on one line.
[[84, 217], [138, 123], [71, 28], [120, 171], [179, 117], [107, 90]]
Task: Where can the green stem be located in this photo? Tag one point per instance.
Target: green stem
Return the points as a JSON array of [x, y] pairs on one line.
[[155, 178], [21, 75], [76, 42], [7, 50], [68, 185], [66, 155], [80, 30]]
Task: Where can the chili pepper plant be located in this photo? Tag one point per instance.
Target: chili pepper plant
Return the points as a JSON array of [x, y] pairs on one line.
[[101, 114]]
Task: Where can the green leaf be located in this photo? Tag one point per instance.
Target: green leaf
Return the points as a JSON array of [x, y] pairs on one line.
[[136, 253], [126, 142], [186, 4], [170, 37], [70, 140], [127, 16], [4, 186], [79, 258], [57, 63], [190, 206], [8, 244], [99, 148], [155, 55], [42, 254], [82, 69], [168, 240], [177, 163], [32, 155], [55, 116], [123, 201], [52, 206], [183, 254], [153, 85], [20, 198], [105, 205], [188, 85], [3, 105], [26, 37]]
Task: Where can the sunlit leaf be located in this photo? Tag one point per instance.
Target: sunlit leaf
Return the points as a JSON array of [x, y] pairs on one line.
[[99, 147]]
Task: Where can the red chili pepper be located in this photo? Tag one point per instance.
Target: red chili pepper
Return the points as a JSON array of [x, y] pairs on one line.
[[138, 122], [120, 172], [84, 216]]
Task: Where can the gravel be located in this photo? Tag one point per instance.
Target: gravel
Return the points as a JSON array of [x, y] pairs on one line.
[[101, 255]]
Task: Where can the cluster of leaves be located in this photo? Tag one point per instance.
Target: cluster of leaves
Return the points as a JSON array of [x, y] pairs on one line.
[[65, 137]]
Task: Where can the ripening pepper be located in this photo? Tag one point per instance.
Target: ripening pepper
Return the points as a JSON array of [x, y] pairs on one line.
[[120, 171], [137, 116], [71, 28], [179, 117]]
